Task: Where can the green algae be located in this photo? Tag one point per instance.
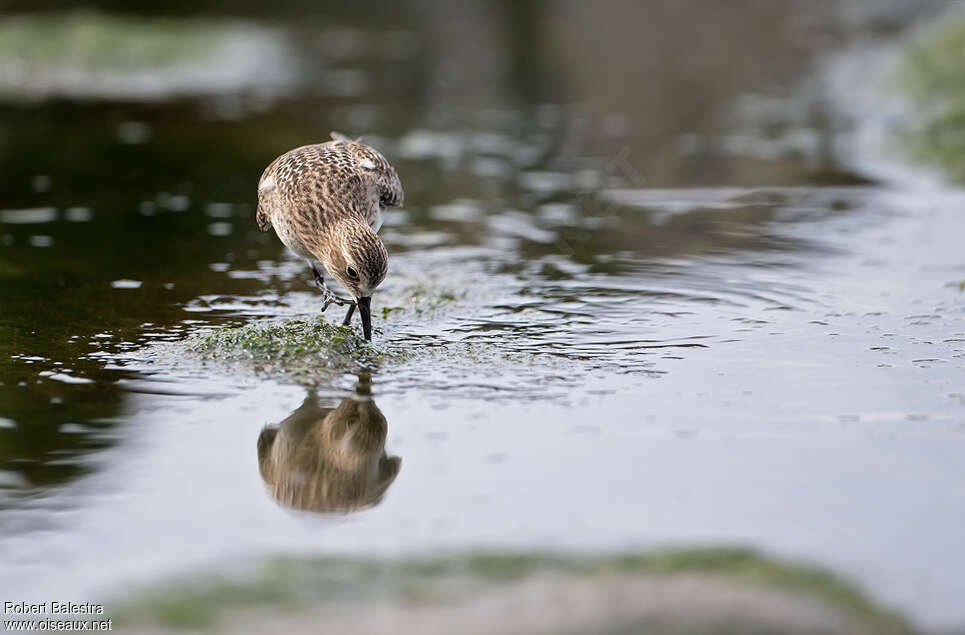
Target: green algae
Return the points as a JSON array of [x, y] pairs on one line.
[[312, 351], [420, 302], [283, 585], [262, 341], [932, 75], [421, 299], [389, 310], [306, 351]]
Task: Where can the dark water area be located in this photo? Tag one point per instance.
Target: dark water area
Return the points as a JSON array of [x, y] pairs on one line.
[[647, 300]]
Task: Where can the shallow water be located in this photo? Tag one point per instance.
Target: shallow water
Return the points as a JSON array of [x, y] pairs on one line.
[[640, 324]]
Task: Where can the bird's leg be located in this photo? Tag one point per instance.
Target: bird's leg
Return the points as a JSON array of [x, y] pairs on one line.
[[319, 280], [327, 296], [348, 316]]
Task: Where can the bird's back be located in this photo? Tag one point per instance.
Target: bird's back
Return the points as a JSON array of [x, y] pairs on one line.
[[321, 182]]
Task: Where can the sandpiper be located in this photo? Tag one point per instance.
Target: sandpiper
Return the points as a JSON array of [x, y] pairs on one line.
[[325, 202]]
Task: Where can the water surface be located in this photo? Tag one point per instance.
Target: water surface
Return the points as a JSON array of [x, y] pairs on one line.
[[632, 323]]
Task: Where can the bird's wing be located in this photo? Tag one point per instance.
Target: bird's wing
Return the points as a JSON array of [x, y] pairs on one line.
[[374, 217], [386, 188], [261, 216], [319, 182], [266, 196], [323, 180]]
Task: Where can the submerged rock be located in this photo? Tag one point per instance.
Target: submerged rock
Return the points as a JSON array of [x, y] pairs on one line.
[[303, 350], [696, 591], [282, 339], [87, 54]]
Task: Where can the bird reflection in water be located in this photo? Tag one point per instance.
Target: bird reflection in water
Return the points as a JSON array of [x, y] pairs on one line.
[[325, 459]]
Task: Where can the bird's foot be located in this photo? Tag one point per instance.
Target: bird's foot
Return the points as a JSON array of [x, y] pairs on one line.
[[329, 298]]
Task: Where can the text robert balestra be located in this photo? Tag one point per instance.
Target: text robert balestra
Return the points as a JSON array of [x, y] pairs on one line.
[[53, 608]]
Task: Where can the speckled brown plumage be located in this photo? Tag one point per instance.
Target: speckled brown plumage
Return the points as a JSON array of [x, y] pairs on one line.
[[324, 202]]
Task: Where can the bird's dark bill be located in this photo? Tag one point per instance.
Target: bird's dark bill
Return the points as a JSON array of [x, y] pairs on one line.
[[365, 310]]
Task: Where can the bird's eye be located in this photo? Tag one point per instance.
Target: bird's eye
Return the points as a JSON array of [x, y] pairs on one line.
[[352, 273]]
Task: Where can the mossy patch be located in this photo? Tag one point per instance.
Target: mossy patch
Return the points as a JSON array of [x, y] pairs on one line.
[[90, 40], [88, 53], [313, 351], [283, 339], [286, 584], [932, 74], [389, 310], [307, 351], [423, 300]]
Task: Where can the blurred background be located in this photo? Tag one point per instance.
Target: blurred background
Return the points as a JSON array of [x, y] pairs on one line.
[[673, 333]]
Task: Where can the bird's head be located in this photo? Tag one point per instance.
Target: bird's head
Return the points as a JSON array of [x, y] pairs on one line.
[[359, 261]]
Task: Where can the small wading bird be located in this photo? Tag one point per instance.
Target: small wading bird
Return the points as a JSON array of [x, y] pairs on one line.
[[325, 202]]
